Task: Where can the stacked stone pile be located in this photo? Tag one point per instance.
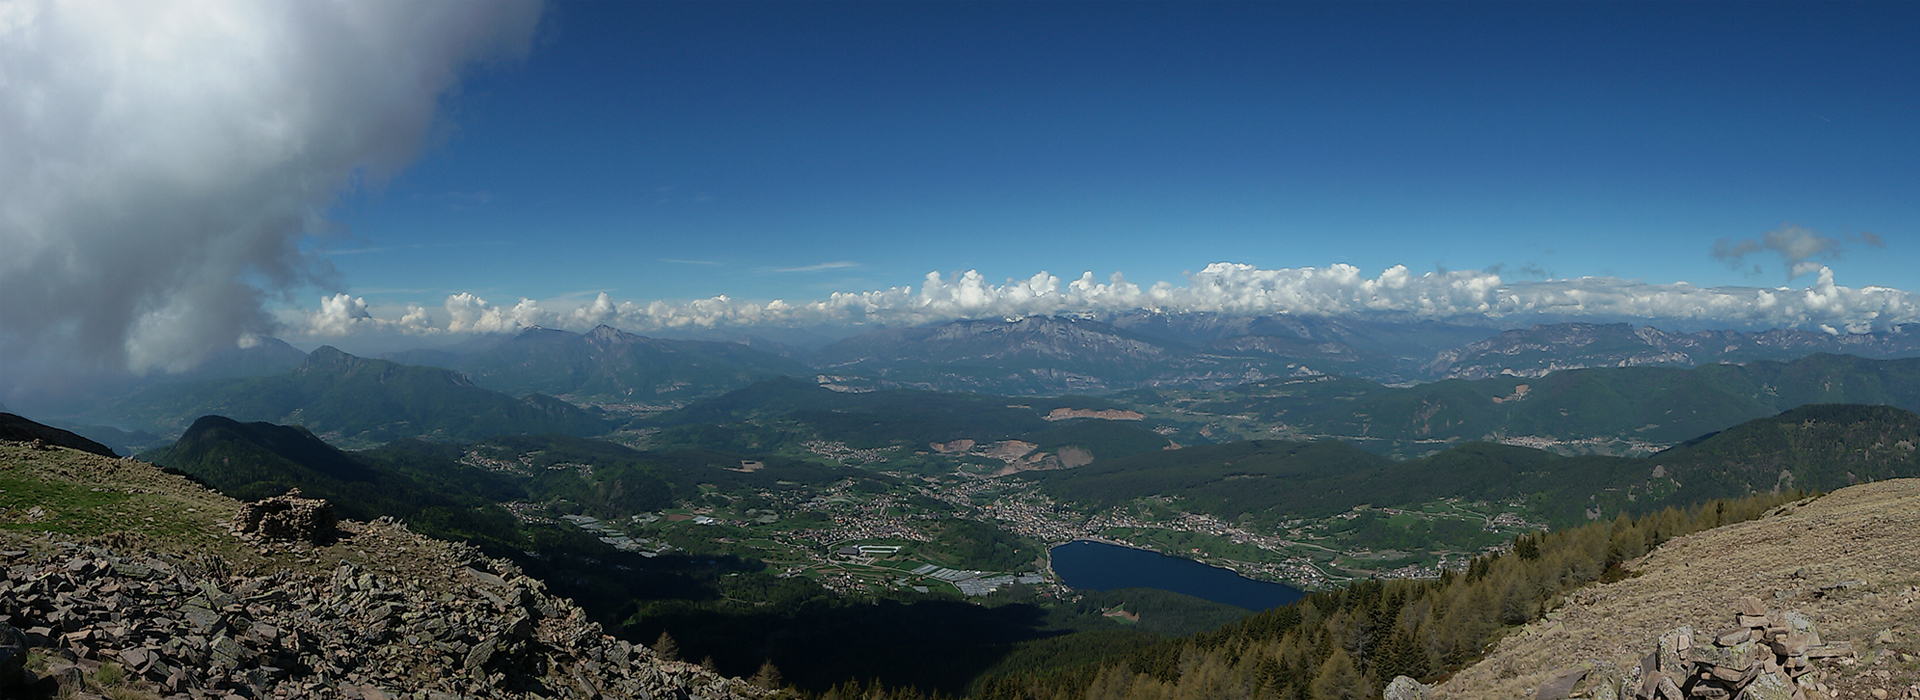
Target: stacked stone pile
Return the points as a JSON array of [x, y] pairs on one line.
[[184, 630], [1764, 655], [287, 518]]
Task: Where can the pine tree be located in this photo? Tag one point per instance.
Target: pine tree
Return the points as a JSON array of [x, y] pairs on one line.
[[767, 677], [1339, 680], [666, 648], [1400, 655]]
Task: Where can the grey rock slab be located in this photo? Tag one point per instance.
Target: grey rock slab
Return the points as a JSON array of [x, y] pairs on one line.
[[1768, 686], [1561, 684]]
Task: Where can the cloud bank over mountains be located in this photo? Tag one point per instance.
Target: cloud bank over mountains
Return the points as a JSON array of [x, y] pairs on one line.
[[1226, 288], [163, 161]]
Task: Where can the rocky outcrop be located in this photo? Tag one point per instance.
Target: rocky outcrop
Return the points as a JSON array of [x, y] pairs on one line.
[[287, 518], [1404, 688], [186, 629]]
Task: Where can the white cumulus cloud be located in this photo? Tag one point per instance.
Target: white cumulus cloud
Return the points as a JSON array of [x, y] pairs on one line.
[[467, 313], [163, 159], [343, 315]]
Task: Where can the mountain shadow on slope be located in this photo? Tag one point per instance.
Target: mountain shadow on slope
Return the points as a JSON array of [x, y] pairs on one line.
[[357, 401], [250, 461], [20, 429]]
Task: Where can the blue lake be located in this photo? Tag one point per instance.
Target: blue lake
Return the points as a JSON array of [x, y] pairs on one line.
[[1098, 566]]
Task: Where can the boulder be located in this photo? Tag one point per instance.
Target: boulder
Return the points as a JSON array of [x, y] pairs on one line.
[[1404, 688]]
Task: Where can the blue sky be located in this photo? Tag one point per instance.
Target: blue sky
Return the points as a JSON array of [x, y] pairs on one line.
[[789, 150], [184, 176]]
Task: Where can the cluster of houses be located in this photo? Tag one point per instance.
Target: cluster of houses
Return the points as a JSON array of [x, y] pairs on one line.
[[613, 536]]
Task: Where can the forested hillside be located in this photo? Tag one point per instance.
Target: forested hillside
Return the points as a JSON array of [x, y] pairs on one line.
[[1268, 481], [1618, 410], [1347, 643]]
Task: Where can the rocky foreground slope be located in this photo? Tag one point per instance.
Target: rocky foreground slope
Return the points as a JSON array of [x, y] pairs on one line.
[[1848, 561], [119, 580]]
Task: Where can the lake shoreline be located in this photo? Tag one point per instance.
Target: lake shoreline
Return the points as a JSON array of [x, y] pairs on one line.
[[1094, 564]]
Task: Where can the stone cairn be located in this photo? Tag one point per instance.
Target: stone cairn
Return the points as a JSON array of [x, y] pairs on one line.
[[287, 518], [1765, 655]]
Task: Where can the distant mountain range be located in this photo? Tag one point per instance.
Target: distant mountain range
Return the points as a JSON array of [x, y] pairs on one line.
[[1033, 356], [606, 365], [1385, 351], [1041, 356], [1533, 352], [1278, 368], [356, 401]]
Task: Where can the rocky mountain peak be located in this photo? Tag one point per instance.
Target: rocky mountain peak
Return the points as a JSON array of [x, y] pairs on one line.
[[328, 359], [606, 334]]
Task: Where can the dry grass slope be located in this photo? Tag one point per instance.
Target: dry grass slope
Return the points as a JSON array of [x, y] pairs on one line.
[[1850, 560]]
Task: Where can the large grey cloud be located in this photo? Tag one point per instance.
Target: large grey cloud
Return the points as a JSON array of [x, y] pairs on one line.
[[160, 162], [1802, 250], [1228, 288]]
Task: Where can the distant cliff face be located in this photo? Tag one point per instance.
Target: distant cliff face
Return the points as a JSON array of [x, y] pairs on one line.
[[183, 605], [1842, 560]]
